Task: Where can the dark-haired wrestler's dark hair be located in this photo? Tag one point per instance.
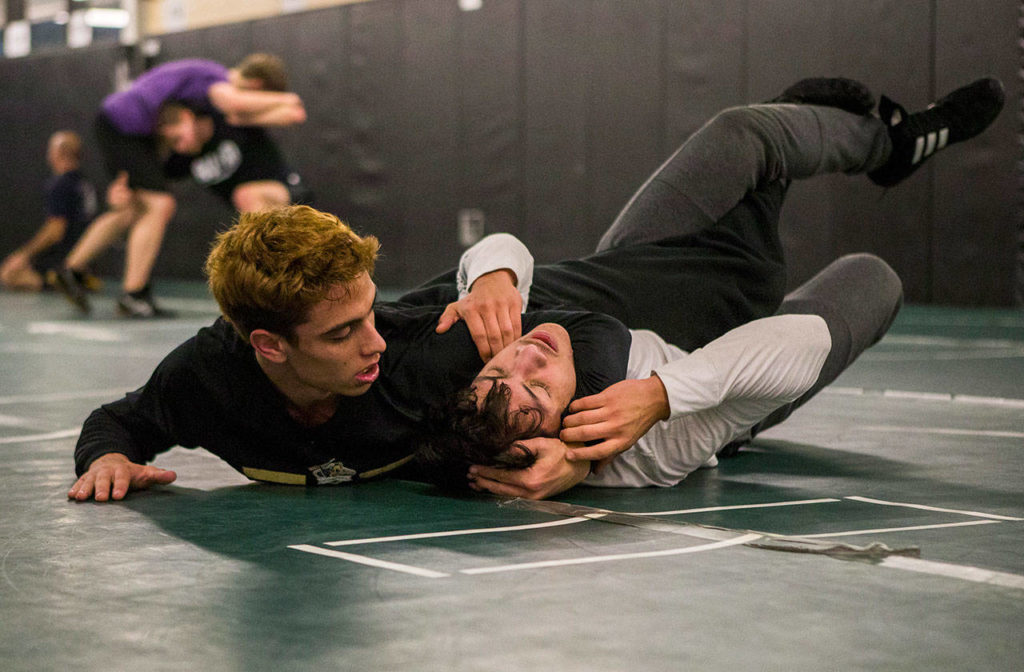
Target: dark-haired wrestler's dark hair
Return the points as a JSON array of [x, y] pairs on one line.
[[460, 434]]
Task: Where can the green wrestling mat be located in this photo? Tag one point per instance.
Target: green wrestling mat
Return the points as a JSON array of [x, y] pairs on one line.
[[918, 446]]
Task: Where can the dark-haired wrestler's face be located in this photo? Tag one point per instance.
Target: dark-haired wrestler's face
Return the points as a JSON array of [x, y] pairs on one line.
[[539, 370], [188, 133]]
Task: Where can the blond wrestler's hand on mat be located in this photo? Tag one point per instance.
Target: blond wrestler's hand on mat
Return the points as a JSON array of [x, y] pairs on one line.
[[492, 311], [550, 474], [615, 418], [110, 476]]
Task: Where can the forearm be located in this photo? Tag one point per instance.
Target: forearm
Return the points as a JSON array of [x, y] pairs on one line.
[[285, 114], [102, 434], [231, 100], [712, 395], [772, 359], [49, 234]]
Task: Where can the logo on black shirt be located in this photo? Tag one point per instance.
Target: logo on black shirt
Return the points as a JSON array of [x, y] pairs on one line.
[[332, 473], [217, 165]]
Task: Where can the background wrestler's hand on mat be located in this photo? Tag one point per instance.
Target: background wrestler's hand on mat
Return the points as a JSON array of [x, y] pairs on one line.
[[614, 418], [549, 475], [492, 311], [110, 476]]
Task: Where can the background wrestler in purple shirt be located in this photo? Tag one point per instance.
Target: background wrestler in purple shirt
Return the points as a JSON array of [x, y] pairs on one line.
[[134, 111], [172, 109]]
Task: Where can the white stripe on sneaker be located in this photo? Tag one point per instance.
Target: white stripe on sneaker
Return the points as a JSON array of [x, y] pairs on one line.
[[918, 150]]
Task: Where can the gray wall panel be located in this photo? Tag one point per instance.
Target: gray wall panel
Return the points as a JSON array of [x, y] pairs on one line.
[[706, 63], [975, 222], [489, 97], [226, 44], [558, 217], [26, 125], [626, 113], [430, 174], [374, 119]]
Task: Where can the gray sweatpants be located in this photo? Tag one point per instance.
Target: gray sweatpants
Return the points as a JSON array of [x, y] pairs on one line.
[[739, 151], [748, 150]]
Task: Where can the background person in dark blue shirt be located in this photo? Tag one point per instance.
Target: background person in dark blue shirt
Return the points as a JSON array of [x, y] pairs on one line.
[[70, 206]]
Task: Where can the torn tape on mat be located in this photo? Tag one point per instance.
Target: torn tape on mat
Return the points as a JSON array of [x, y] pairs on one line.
[[772, 542]]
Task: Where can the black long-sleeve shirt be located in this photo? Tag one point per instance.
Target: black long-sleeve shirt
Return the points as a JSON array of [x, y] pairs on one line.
[[210, 392]]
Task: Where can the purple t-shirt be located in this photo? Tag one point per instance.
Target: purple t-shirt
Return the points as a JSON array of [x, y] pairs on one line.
[[134, 110]]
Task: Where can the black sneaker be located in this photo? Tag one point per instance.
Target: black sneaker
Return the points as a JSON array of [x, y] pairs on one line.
[[66, 282], [90, 282], [140, 305], [846, 94], [959, 116]]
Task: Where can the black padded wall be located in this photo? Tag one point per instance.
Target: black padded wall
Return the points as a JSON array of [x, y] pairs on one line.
[[429, 121], [974, 203], [546, 114]]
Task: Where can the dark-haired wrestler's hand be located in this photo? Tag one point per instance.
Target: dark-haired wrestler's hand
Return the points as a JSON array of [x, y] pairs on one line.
[[615, 418], [492, 311], [550, 474], [110, 476]]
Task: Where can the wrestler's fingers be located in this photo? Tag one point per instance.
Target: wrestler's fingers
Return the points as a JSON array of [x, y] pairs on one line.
[[587, 403], [122, 480], [495, 335], [478, 331], [582, 418], [598, 452], [148, 476], [448, 318], [506, 332], [585, 433], [101, 485], [499, 488], [510, 476], [83, 488], [516, 320]]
